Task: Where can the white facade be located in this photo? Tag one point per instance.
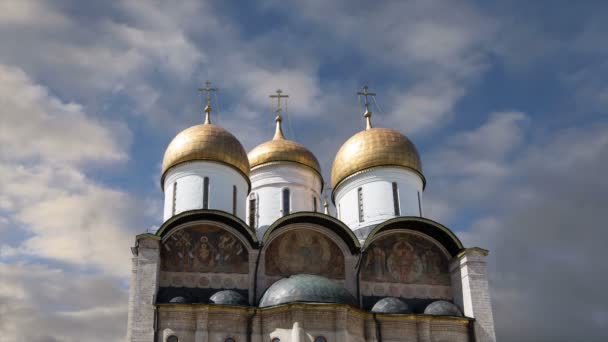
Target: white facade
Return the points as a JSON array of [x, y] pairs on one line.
[[267, 185], [375, 195], [184, 188]]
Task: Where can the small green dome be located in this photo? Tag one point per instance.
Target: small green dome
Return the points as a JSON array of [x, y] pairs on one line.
[[391, 305], [306, 288], [442, 308], [228, 297]]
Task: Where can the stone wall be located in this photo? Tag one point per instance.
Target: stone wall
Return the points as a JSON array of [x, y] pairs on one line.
[[303, 322]]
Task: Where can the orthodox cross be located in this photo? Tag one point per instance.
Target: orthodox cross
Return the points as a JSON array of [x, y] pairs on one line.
[[278, 96], [367, 115], [208, 91], [278, 134]]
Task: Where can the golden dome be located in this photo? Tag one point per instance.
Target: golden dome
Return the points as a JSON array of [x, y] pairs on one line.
[[206, 142], [374, 147], [280, 149]]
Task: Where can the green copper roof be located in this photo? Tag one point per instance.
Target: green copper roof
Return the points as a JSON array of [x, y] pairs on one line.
[[306, 288], [228, 297], [442, 308], [391, 305]]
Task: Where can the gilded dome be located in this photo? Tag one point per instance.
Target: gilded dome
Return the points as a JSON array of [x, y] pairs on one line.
[[206, 142], [280, 149], [374, 147]]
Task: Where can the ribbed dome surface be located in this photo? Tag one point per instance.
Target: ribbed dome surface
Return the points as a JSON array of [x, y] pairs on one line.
[[374, 147], [206, 142], [306, 288]]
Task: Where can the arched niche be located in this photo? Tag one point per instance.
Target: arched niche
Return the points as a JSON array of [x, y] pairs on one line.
[[304, 249], [204, 247], [407, 257], [200, 257], [407, 264]]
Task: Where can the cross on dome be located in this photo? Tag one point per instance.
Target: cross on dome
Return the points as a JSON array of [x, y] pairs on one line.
[[278, 96], [208, 91], [368, 114], [279, 132]]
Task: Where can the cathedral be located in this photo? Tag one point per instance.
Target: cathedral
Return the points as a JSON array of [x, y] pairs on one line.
[[249, 252]]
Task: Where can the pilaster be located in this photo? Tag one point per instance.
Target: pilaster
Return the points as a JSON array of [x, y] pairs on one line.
[[144, 286], [471, 291]]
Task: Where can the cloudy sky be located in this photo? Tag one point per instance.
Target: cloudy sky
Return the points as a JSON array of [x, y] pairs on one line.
[[506, 102]]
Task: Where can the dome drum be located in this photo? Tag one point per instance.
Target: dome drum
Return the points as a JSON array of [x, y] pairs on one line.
[[205, 167], [286, 178]]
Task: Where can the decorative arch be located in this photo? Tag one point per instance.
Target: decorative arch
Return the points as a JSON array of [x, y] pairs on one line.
[[433, 229], [320, 219], [210, 215]]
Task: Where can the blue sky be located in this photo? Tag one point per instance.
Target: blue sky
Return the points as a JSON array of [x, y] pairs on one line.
[[505, 101]]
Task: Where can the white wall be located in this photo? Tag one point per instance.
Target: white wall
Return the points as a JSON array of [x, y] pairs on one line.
[[189, 177], [377, 189], [267, 183]]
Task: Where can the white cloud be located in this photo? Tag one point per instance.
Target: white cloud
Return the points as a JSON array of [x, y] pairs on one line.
[[425, 106], [541, 215], [37, 125], [48, 304], [66, 216], [27, 13], [469, 166]]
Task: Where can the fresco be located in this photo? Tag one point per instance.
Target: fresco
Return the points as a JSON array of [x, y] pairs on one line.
[[204, 249], [304, 251], [403, 258]]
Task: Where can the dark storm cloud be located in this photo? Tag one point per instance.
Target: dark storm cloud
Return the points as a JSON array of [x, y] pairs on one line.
[[545, 228]]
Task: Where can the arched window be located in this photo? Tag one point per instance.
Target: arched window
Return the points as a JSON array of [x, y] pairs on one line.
[[320, 339], [172, 338], [396, 199], [314, 203], [174, 199], [286, 204], [419, 205], [234, 200], [360, 198], [206, 193], [252, 210], [229, 339], [276, 339]]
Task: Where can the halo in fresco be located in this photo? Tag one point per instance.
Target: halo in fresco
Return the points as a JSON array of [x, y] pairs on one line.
[[204, 249], [304, 252], [407, 259]]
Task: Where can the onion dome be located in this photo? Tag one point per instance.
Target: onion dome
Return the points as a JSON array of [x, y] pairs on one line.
[[280, 149], [442, 308], [206, 142], [374, 147], [306, 288], [391, 305], [228, 297]]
